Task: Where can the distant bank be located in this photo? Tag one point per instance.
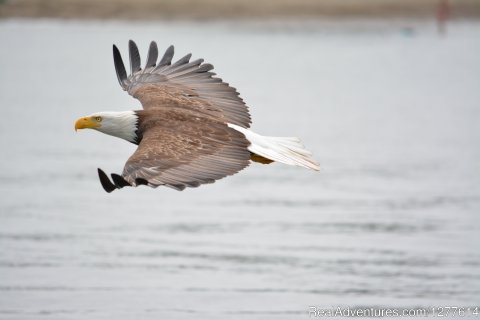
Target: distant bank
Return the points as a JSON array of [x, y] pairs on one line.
[[231, 9]]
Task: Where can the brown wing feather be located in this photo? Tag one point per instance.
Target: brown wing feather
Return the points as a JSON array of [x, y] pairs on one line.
[[189, 85], [180, 149]]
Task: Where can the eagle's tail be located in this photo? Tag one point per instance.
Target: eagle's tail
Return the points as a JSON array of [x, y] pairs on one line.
[[288, 150]]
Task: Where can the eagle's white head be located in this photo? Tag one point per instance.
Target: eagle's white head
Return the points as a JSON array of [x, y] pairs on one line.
[[118, 124]]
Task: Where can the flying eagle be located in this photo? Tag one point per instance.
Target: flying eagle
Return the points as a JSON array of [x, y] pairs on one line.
[[193, 129]]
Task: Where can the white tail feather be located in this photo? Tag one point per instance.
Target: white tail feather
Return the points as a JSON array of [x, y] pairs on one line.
[[288, 150]]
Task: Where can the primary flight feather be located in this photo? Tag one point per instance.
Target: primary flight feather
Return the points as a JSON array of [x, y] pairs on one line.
[[193, 128]]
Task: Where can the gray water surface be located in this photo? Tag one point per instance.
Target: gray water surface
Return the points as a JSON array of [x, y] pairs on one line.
[[392, 220]]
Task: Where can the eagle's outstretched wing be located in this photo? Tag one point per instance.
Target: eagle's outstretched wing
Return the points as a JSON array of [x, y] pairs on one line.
[[180, 150], [185, 139], [184, 84]]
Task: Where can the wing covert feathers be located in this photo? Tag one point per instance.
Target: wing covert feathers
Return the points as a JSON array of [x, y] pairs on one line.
[[187, 84]]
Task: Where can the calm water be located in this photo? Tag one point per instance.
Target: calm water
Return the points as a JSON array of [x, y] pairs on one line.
[[391, 111]]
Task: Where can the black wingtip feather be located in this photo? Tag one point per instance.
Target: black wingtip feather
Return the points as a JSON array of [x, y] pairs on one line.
[[119, 181], [183, 60], [167, 57], [119, 67], [135, 61], [205, 68], [141, 181], [178, 187], [106, 183], [152, 55]]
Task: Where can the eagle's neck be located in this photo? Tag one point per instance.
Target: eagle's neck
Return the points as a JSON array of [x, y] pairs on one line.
[[123, 125]]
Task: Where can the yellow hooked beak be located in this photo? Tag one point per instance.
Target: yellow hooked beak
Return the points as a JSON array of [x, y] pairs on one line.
[[87, 123]]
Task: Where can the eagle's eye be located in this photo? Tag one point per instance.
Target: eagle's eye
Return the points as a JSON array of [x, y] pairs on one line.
[[98, 119]]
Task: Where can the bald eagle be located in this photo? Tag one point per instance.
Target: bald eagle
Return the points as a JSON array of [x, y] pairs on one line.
[[193, 129]]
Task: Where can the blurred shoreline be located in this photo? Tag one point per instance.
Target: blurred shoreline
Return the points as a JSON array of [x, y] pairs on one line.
[[236, 9]]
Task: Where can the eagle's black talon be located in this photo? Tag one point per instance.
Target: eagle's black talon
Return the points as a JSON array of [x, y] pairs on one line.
[[105, 181], [119, 181]]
